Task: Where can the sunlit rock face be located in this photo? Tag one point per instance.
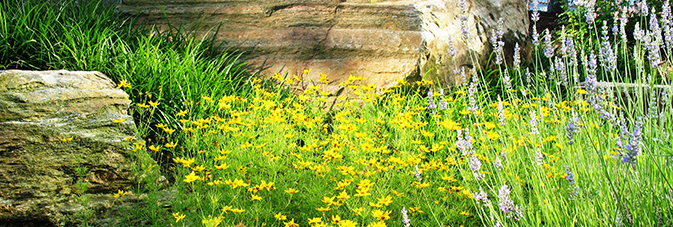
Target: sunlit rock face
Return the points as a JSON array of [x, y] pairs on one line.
[[380, 40], [53, 123]]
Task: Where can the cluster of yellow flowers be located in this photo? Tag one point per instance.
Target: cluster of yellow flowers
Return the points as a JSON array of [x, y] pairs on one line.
[[248, 140]]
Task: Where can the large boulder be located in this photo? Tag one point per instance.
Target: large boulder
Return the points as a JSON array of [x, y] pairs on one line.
[[380, 40], [58, 128]]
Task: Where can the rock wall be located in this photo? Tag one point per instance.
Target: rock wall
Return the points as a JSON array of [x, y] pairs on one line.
[[51, 123], [380, 40]]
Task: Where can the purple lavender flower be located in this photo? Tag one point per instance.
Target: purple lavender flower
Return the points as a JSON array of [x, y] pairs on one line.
[[623, 20], [497, 163], [535, 16], [535, 36], [506, 204], [590, 15], [482, 198], [431, 103], [417, 173], [471, 93], [539, 157], [501, 112], [452, 48], [638, 34], [405, 217], [464, 142], [528, 75], [571, 52], [533, 123], [549, 46], [634, 147], [570, 176], [644, 10], [570, 129], [442, 102], [591, 83], [608, 58], [517, 57], [561, 71], [475, 166]]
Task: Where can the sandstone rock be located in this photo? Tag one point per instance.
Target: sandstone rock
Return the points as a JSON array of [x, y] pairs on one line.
[[380, 40], [51, 123]]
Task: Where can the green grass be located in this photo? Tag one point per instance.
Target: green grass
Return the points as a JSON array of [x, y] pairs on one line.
[[243, 150]]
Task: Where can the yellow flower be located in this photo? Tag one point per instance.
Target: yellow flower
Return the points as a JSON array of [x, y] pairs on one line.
[[398, 194], [154, 104], [169, 130], [129, 138], [67, 139], [465, 213], [222, 167], [199, 168], [449, 179], [256, 197], [348, 223], [381, 215], [385, 200], [280, 217], [581, 91], [236, 183], [123, 84], [291, 223], [323, 209], [362, 192], [215, 183], [142, 105], [343, 196], [378, 224], [139, 145], [227, 209], [327, 200], [120, 193], [182, 113], [375, 205], [212, 222], [191, 177], [118, 121], [450, 125], [178, 216], [155, 148], [420, 185], [238, 211], [312, 221], [171, 145], [336, 219], [358, 211], [291, 191]]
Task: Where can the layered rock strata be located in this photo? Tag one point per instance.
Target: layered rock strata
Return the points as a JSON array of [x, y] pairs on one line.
[[380, 40]]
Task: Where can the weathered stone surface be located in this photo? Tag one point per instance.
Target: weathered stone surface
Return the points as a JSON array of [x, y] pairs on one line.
[[52, 122], [380, 40]]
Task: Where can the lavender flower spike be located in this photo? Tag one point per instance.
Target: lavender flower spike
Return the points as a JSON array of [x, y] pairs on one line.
[[405, 217], [506, 204]]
